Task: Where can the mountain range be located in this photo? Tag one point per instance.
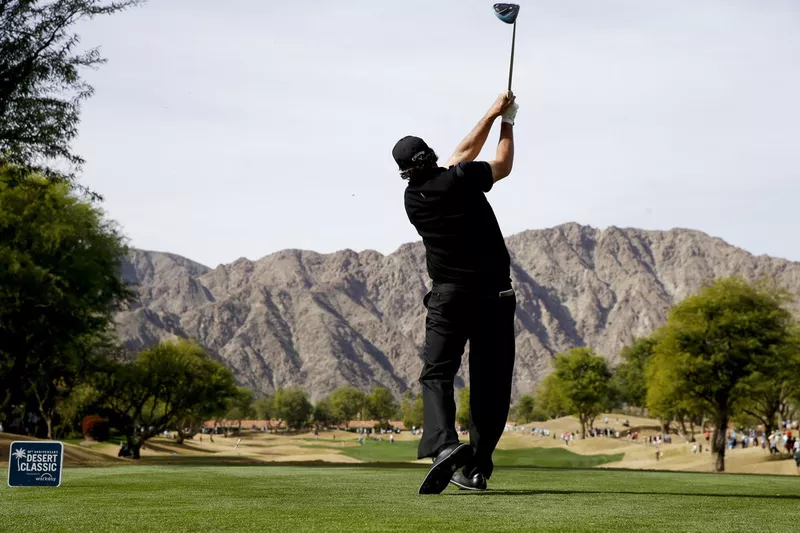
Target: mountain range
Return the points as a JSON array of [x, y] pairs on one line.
[[320, 321]]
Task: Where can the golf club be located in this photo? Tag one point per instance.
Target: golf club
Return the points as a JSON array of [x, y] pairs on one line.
[[508, 13]]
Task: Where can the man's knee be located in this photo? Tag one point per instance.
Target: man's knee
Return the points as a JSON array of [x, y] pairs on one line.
[[444, 371]]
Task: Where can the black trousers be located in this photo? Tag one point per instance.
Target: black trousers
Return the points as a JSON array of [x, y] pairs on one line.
[[485, 318]]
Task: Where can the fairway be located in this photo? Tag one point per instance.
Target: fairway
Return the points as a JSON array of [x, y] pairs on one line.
[[402, 451], [346, 498]]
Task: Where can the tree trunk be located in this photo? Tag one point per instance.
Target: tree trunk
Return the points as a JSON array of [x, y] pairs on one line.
[[135, 446], [6, 400], [47, 416], [583, 427], [718, 442], [683, 426], [187, 430]]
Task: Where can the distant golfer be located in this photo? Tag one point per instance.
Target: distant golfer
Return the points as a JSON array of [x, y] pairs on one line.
[[471, 297]]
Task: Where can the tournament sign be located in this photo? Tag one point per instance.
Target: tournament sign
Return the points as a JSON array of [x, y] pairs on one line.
[[35, 464]]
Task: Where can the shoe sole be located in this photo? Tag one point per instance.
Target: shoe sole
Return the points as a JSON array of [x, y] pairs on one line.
[[438, 477], [464, 487]]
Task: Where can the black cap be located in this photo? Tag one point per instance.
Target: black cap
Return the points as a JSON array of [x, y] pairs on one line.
[[408, 150]]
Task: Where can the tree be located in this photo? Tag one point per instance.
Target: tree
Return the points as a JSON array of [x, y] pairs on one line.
[[629, 377], [346, 403], [41, 88], [551, 397], [525, 408], [716, 339], [462, 413], [323, 413], [380, 404], [584, 378], [212, 402], [240, 405], [166, 384], [413, 410], [766, 394], [75, 407], [666, 400], [60, 282], [292, 406], [262, 408]]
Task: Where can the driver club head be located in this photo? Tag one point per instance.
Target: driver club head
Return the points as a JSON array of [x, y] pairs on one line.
[[507, 12]]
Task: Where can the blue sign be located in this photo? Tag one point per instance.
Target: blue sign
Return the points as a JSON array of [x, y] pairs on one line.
[[35, 464]]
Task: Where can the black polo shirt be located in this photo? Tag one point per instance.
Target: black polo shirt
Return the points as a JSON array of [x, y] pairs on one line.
[[463, 242]]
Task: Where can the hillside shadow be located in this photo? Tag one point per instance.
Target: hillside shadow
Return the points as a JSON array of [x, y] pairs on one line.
[[552, 303]]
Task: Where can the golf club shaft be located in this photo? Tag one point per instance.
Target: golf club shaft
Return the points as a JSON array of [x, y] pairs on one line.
[[511, 68]]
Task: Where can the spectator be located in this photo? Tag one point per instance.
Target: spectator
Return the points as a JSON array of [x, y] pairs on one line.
[[797, 459]]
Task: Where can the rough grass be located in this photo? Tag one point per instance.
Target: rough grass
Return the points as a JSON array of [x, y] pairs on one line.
[[369, 498]]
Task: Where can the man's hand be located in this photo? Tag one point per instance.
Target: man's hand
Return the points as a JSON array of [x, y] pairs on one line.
[[501, 104], [472, 144], [510, 113]]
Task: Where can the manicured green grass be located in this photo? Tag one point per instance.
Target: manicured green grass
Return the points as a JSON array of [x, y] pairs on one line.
[[552, 457], [369, 498], [401, 451]]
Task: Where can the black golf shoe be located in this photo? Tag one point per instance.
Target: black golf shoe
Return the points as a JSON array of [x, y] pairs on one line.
[[448, 461], [476, 482]]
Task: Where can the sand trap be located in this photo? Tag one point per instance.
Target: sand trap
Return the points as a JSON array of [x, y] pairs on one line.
[[73, 455]]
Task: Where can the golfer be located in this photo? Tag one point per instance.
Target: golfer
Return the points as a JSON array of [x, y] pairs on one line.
[[471, 297]]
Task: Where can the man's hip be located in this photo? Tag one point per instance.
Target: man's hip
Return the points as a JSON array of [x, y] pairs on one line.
[[483, 290]]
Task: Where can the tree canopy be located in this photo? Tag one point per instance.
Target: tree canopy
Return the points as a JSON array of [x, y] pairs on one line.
[[380, 404], [60, 282], [583, 379], [412, 410], [629, 377], [525, 408], [713, 342], [41, 84], [346, 403], [166, 384], [462, 412], [292, 406], [552, 400]]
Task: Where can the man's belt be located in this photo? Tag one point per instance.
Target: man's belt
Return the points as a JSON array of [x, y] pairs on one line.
[[458, 287]]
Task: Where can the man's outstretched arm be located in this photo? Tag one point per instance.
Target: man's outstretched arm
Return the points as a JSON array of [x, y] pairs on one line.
[[504, 160], [473, 143]]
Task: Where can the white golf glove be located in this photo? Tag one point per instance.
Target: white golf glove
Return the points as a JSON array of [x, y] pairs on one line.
[[510, 113]]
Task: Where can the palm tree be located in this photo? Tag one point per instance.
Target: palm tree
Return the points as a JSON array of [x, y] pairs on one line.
[[20, 454]]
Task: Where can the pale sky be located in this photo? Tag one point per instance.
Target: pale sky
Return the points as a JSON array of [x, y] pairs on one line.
[[234, 129]]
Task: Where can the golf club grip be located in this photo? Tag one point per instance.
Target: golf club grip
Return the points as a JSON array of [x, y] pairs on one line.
[[511, 67]]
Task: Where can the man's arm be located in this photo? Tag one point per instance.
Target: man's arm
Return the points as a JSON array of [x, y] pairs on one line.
[[504, 160], [473, 143]]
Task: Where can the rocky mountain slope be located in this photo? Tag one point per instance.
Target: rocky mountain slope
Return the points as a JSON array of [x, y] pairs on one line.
[[302, 318]]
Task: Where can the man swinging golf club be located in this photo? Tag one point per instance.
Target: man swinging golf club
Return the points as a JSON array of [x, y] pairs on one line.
[[471, 297]]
